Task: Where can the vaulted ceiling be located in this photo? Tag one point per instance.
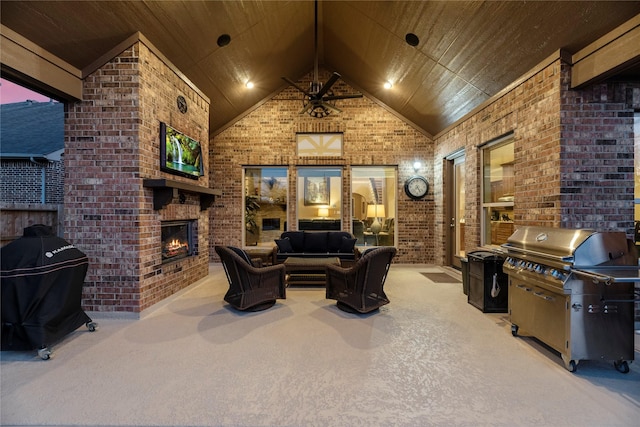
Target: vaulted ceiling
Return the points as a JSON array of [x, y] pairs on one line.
[[467, 50]]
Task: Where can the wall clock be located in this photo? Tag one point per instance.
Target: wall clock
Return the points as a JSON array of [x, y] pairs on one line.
[[182, 104], [416, 187]]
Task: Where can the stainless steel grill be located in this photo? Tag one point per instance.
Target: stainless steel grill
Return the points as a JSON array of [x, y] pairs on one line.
[[574, 291]]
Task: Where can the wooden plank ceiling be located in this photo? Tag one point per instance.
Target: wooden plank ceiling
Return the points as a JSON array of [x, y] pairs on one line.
[[467, 51]]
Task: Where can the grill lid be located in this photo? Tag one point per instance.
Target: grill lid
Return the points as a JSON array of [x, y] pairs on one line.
[[577, 246]]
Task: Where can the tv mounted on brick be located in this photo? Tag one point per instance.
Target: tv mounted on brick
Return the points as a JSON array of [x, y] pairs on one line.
[[180, 154]]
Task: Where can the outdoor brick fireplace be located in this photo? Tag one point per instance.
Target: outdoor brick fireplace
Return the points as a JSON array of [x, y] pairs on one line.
[[145, 231]]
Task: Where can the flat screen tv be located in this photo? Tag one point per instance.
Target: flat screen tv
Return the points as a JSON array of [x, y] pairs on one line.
[[180, 154]]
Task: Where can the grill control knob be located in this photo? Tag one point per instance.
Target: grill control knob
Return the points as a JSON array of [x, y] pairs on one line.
[[539, 269]]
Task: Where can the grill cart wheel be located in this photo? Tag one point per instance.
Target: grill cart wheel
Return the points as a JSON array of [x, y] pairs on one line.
[[570, 365], [621, 366], [44, 353], [92, 326], [514, 330]]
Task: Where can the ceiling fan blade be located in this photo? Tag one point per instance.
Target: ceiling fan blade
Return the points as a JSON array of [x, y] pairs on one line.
[[331, 107], [306, 108], [334, 97], [334, 78], [294, 84]]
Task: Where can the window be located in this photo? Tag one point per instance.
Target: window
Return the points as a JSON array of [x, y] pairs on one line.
[[373, 205], [319, 199], [265, 210], [636, 159], [497, 191]]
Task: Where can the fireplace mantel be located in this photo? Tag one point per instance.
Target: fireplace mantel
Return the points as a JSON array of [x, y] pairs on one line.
[[164, 191]]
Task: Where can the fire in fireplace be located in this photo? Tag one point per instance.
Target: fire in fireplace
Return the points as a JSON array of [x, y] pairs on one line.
[[177, 240]]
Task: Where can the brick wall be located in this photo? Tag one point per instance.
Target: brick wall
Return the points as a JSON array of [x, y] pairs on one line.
[[597, 175], [372, 136], [111, 144], [573, 154], [530, 111], [21, 182]]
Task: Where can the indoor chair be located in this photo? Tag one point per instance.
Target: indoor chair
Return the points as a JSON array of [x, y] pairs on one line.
[[360, 287], [251, 288]]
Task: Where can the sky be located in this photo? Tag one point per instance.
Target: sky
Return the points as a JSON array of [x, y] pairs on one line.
[[11, 92]]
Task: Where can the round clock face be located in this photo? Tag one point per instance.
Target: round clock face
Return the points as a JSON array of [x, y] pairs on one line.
[[182, 104], [416, 187]]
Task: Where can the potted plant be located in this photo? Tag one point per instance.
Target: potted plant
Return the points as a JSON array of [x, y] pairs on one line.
[[251, 208]]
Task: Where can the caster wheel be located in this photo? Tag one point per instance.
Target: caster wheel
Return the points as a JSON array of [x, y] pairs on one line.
[[570, 365], [514, 330], [621, 366], [44, 353], [92, 326]]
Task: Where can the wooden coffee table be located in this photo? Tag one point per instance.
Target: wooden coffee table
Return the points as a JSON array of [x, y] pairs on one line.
[[308, 271]]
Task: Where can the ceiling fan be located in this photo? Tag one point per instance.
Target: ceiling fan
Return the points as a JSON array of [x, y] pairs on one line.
[[319, 100]]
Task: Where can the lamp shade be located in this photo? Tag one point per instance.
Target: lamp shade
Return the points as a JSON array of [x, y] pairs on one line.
[[375, 211], [323, 212]]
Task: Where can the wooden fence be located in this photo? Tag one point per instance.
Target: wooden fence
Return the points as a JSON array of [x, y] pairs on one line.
[[14, 217]]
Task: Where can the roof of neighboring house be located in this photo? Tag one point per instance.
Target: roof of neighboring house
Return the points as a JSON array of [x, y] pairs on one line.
[[31, 129]]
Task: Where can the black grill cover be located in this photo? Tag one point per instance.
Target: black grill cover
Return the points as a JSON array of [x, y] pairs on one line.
[[41, 278]]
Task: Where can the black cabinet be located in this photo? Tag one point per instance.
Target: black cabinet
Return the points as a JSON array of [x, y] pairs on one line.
[[488, 285]]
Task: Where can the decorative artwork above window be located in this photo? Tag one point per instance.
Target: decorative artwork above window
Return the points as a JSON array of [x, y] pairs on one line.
[[319, 144]]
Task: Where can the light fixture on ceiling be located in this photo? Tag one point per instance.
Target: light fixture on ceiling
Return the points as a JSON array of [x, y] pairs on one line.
[[249, 84], [388, 85], [412, 39], [224, 40]]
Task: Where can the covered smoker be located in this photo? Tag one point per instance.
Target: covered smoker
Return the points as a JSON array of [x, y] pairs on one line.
[[41, 278]]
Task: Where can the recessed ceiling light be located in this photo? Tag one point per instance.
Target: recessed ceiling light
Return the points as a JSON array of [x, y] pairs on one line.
[[249, 85], [388, 85], [412, 39], [224, 40]]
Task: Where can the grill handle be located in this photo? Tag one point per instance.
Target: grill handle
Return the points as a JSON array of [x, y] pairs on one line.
[[597, 278], [539, 254]]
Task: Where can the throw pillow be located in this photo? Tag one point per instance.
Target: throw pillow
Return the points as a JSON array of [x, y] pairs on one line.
[[334, 240], [284, 245], [348, 245], [242, 255], [296, 238], [368, 251]]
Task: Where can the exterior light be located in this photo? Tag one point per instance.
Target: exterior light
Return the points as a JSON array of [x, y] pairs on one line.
[[416, 165]]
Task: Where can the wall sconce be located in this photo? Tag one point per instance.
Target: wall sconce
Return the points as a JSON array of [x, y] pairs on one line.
[[416, 166]]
